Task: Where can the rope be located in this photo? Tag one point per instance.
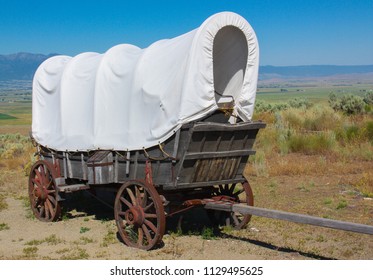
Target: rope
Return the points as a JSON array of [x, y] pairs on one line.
[[165, 155]]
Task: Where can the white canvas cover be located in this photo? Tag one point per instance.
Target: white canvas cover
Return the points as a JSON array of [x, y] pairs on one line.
[[130, 98]]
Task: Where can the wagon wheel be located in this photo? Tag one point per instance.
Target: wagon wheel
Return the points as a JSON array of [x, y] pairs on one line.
[[43, 191], [237, 193], [139, 215]]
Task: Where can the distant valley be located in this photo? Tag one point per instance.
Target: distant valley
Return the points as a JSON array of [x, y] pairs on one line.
[[17, 70]]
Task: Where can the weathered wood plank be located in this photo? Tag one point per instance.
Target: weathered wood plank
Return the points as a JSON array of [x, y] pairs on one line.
[[293, 217], [228, 127], [204, 155], [201, 184]]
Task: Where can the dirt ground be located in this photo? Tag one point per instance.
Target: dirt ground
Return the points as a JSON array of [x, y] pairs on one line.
[[87, 229]]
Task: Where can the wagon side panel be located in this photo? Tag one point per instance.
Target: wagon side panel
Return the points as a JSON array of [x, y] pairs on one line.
[[215, 153]]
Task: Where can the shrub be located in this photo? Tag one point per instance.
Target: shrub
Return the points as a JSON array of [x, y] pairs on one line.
[[369, 130], [318, 118], [349, 104], [293, 119], [342, 204], [4, 226], [356, 132], [208, 233], [311, 143], [352, 132], [261, 106], [84, 229], [299, 102], [368, 97], [280, 107], [13, 145]]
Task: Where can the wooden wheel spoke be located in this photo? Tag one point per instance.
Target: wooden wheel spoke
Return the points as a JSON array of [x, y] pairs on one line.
[[150, 225], [42, 174], [237, 193], [131, 233], [138, 196], [231, 188], [126, 202], [147, 233], [50, 184], [39, 177], [150, 215], [140, 236], [123, 223], [121, 213], [46, 172], [148, 206], [132, 196], [144, 199], [36, 202], [50, 206], [52, 200], [227, 221], [42, 211], [236, 221], [46, 209], [36, 182]]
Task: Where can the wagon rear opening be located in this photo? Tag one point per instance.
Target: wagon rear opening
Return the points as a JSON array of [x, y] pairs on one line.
[[230, 53]]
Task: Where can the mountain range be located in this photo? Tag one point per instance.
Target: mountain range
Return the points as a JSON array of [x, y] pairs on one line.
[[22, 66]]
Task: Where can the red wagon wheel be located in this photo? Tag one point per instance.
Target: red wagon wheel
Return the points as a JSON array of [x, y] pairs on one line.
[[237, 193], [43, 191], [139, 215]]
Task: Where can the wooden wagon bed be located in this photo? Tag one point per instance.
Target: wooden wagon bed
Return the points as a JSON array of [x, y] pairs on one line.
[[201, 161]]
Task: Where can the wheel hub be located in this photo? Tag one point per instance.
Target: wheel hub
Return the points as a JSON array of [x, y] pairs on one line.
[[135, 216]]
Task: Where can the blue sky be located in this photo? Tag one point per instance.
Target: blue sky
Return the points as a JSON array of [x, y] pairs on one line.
[[296, 32]]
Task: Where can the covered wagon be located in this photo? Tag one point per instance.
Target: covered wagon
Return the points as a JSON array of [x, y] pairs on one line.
[[169, 127]]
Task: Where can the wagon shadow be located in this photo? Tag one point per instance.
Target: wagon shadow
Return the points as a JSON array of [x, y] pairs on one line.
[[276, 248], [196, 221], [193, 222], [86, 203]]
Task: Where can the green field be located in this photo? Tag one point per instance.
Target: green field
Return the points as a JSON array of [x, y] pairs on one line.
[[15, 108], [315, 94], [6, 117]]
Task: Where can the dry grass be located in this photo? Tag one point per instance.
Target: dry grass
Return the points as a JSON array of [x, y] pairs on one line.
[[316, 141], [364, 183], [14, 129]]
